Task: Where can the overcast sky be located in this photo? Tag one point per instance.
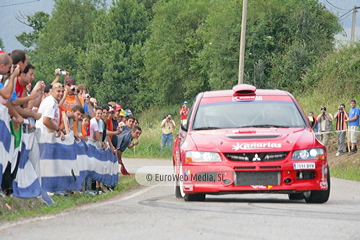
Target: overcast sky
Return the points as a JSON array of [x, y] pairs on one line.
[[9, 9]]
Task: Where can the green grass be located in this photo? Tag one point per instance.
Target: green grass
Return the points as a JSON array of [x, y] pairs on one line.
[[12, 208], [348, 168], [348, 172]]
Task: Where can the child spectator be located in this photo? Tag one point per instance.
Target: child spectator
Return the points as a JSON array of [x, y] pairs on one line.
[[85, 127]]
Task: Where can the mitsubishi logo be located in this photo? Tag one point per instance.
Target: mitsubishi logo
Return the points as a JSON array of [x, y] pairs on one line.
[[256, 158]]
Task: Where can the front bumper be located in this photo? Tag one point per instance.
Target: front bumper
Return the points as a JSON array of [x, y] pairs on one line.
[[217, 178]]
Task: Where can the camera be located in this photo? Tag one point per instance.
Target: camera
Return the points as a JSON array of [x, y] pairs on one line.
[[87, 95], [121, 127], [169, 118], [61, 72], [72, 88], [340, 108], [14, 67]]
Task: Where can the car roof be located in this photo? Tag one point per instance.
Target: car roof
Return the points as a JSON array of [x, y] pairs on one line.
[[259, 92]]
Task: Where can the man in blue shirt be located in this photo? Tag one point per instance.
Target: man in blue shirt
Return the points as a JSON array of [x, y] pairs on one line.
[[124, 140], [353, 125]]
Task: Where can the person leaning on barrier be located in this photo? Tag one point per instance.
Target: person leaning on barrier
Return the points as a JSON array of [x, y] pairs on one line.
[[50, 118], [325, 125], [340, 116], [125, 139], [353, 123]]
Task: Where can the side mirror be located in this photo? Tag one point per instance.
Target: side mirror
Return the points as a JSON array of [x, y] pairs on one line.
[[183, 125]]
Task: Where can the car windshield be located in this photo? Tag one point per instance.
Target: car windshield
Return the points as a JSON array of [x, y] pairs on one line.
[[243, 114]]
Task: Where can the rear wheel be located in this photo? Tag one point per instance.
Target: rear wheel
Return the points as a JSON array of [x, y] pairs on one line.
[[318, 196], [296, 196]]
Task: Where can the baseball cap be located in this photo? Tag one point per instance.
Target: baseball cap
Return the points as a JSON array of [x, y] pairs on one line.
[[185, 102], [323, 108], [118, 107], [111, 109], [70, 80], [127, 112], [122, 113], [113, 104]]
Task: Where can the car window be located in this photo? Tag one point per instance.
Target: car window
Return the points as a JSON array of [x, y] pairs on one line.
[[241, 114]]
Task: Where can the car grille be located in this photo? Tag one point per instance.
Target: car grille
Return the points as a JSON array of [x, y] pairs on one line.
[[257, 178], [253, 157]]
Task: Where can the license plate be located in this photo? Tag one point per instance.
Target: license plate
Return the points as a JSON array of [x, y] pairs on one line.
[[304, 165]]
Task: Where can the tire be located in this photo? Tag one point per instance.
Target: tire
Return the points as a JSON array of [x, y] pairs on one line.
[[177, 191], [196, 197], [177, 187], [296, 196], [318, 196]]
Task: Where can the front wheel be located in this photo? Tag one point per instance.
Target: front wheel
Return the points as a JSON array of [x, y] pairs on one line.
[[318, 196], [177, 191], [296, 196], [198, 197]]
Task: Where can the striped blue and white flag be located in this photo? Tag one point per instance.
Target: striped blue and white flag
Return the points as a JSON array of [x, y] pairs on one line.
[[6, 140], [27, 181], [64, 165]]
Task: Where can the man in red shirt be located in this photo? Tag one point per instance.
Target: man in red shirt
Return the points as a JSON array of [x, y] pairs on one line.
[[26, 77], [184, 111]]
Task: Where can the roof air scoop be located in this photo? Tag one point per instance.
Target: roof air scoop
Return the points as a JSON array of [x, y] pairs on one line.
[[244, 90]]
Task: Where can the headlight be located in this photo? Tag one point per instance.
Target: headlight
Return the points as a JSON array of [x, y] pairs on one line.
[[309, 154], [195, 156]]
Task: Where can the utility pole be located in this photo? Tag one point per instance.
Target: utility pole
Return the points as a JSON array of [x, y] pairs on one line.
[[242, 43], [352, 38]]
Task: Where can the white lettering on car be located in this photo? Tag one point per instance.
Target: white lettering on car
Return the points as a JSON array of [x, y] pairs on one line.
[[246, 146], [247, 98]]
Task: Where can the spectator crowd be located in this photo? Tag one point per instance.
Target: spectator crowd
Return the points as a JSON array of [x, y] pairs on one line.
[[346, 127], [58, 109]]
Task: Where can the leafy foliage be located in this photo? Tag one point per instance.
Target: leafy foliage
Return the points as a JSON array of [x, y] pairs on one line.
[[332, 81], [145, 52], [37, 22], [1, 43], [170, 50], [65, 36]]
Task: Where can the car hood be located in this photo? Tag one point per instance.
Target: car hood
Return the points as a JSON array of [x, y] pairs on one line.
[[249, 140]]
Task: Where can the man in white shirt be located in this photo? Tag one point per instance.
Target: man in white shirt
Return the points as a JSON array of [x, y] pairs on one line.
[[49, 107]]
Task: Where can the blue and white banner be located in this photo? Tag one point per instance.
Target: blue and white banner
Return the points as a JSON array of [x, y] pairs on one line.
[[47, 164], [64, 165], [27, 181], [6, 140]]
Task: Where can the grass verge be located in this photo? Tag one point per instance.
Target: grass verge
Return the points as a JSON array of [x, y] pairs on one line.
[[348, 169], [13, 208]]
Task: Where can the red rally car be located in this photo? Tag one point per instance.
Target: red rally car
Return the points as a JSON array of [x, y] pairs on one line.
[[249, 140]]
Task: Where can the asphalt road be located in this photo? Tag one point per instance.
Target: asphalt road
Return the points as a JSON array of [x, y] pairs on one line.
[[154, 213]]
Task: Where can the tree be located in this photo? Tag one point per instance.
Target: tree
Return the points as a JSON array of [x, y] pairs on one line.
[[37, 22], [118, 37], [171, 49], [284, 37], [1, 44], [65, 36]]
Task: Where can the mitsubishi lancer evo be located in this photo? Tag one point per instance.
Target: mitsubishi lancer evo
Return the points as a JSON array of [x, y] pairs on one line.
[[249, 140]]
